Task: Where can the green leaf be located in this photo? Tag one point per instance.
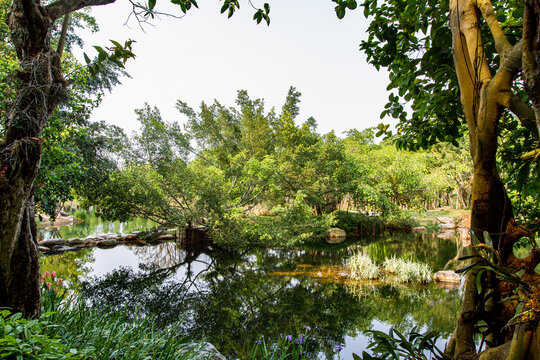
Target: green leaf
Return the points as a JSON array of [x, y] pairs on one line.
[[466, 268], [86, 58], [479, 281], [151, 4], [340, 11]]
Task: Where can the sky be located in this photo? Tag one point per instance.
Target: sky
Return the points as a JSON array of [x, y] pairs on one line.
[[205, 56]]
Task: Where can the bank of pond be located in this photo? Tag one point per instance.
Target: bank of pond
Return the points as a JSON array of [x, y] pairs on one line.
[[236, 299]]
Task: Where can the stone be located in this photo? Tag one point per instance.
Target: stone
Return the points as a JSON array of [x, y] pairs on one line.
[[107, 243], [446, 235], [166, 237], [61, 248], [446, 220], [204, 350], [52, 242], [63, 213], [447, 276], [446, 226], [130, 237], [43, 249], [335, 236], [419, 228], [75, 241]]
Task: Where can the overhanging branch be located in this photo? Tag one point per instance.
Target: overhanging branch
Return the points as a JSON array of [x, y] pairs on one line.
[[62, 7]]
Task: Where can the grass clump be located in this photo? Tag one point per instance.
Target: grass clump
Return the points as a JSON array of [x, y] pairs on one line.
[[362, 267], [407, 270]]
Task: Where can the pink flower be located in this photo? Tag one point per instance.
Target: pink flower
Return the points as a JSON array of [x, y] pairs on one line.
[[46, 274], [53, 274]]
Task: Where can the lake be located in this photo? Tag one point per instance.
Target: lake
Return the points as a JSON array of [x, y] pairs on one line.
[[232, 298]]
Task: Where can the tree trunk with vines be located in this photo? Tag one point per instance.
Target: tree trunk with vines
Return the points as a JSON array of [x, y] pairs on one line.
[[40, 89], [484, 97]]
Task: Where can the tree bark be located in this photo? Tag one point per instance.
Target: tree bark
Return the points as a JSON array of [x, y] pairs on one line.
[[41, 87], [483, 98]]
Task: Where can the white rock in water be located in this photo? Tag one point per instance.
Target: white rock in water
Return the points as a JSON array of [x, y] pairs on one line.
[[447, 276]]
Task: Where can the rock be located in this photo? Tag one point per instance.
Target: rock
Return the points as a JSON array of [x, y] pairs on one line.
[[43, 249], [63, 213], [75, 241], [205, 350], [60, 248], [335, 236], [447, 276], [419, 228], [107, 243], [446, 235], [166, 237], [446, 220], [447, 226], [130, 237], [52, 242]]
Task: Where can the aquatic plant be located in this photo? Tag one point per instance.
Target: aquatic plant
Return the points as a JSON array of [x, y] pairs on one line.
[[362, 267], [407, 270]]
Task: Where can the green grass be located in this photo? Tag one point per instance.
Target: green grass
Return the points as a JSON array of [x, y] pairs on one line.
[[70, 329]]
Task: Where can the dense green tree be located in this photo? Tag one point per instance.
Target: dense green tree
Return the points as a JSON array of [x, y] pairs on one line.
[[40, 87]]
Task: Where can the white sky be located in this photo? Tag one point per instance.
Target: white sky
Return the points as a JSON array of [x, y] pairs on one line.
[[205, 56]]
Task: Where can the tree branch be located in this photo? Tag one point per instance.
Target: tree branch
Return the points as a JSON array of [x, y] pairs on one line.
[[523, 111], [63, 34], [501, 42], [62, 7]]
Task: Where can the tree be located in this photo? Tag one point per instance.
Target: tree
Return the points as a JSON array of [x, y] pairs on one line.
[[40, 88], [487, 56]]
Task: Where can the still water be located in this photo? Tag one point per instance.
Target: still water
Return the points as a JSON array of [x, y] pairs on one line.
[[232, 298]]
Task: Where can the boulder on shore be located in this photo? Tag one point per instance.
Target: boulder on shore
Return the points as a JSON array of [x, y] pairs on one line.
[[447, 276], [419, 228], [446, 220], [335, 236]]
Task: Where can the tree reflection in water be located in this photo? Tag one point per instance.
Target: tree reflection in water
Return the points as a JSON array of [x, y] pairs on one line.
[[233, 297]]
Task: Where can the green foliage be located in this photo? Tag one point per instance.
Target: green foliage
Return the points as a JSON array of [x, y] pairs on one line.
[[21, 338], [290, 347], [396, 346]]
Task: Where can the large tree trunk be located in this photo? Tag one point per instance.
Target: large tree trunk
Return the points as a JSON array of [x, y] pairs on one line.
[[40, 88], [483, 97]]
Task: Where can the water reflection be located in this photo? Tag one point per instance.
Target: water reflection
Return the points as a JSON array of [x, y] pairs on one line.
[[90, 224], [233, 297]]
